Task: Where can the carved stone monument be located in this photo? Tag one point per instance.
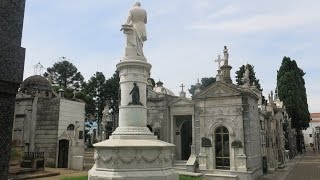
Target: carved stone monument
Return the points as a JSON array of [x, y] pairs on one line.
[[11, 72], [133, 152]]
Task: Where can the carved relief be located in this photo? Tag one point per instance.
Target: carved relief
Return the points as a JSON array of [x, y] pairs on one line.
[[153, 158]]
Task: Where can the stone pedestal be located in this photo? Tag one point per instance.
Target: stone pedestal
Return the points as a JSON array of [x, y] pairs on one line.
[[133, 152], [226, 73]]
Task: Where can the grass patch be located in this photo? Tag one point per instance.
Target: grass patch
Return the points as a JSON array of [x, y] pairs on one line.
[[75, 178], [182, 177]]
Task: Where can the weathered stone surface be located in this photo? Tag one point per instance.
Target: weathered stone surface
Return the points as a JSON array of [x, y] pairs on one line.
[[11, 68], [12, 63], [6, 123], [11, 21]]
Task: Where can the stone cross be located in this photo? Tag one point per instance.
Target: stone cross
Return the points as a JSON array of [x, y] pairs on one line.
[[219, 60], [182, 86]]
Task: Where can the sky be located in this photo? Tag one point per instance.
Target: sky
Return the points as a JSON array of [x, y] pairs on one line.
[[184, 38]]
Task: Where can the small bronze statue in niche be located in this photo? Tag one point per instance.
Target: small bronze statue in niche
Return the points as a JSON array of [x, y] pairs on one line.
[[135, 93]]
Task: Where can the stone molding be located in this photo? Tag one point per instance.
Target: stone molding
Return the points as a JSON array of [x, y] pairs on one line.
[[132, 131], [132, 158]]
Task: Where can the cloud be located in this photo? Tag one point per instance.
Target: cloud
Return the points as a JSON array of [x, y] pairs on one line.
[[267, 21], [226, 11], [184, 37]]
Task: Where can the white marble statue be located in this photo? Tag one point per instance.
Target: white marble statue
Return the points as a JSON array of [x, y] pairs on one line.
[[136, 21], [226, 55]]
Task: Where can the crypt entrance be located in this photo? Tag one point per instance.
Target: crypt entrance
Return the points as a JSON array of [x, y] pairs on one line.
[[183, 136], [63, 153]]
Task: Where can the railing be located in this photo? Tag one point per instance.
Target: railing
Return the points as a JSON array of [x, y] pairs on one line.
[[33, 155], [33, 160]]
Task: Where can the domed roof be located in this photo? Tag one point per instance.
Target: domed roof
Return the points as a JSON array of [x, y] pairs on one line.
[[36, 83], [162, 90]]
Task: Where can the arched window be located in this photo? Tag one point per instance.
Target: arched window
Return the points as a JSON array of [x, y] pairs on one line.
[[70, 127], [222, 148]]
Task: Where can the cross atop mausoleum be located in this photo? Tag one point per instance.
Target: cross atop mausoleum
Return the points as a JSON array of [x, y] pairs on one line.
[[182, 86], [219, 60], [38, 68]]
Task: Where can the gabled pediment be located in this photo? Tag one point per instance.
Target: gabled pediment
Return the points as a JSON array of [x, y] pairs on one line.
[[181, 102], [219, 89]]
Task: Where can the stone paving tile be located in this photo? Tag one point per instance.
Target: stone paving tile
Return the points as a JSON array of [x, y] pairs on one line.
[[307, 169]]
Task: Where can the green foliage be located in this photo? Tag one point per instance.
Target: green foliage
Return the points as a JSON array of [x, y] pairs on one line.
[[65, 75], [252, 76], [292, 91], [205, 82], [95, 94], [99, 91], [183, 177], [75, 178], [113, 92]]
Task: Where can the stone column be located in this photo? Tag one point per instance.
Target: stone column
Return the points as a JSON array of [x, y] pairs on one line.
[[133, 152], [11, 68]]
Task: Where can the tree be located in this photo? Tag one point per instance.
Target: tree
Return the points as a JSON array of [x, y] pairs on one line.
[[252, 76], [292, 91], [113, 92], [205, 82], [95, 94], [65, 75]]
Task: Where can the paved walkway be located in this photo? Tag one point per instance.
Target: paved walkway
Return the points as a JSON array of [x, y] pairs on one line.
[[302, 167], [306, 169]]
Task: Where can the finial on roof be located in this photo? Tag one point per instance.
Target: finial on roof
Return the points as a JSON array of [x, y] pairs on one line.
[[38, 68]]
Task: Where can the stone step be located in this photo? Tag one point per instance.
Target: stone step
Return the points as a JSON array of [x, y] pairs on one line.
[[41, 174]]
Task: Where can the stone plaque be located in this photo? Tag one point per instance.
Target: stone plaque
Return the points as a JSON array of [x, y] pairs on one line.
[[236, 144], [206, 142]]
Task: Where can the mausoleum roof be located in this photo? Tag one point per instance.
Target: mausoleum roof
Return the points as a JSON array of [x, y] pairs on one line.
[[162, 90], [36, 82]]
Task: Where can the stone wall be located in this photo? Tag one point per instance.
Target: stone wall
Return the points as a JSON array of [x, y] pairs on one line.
[[21, 126], [252, 133], [158, 115], [47, 129]]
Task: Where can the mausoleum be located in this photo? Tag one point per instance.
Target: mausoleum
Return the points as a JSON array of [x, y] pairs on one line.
[[47, 122]]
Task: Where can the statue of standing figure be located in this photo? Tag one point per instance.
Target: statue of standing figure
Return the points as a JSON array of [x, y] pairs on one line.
[[136, 20], [135, 93], [226, 55]]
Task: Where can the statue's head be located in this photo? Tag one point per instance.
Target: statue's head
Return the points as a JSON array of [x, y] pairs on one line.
[[137, 4], [134, 84]]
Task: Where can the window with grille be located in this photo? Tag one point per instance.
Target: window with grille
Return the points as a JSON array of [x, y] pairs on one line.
[[222, 148]]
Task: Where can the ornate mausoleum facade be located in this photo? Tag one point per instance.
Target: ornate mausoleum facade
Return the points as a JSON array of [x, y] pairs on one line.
[[224, 130]]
